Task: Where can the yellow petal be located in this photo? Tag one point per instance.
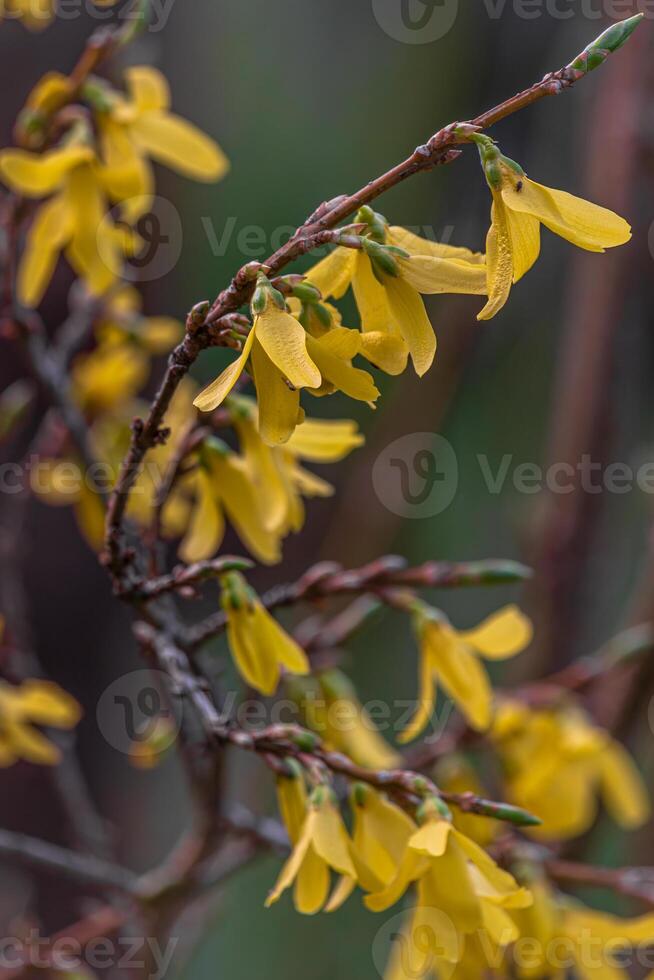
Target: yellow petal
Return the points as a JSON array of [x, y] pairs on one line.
[[341, 893], [36, 176], [180, 145], [311, 884], [292, 866], [207, 526], [239, 498], [215, 393], [432, 838], [371, 298], [292, 802], [333, 274], [448, 887], [91, 251], [50, 231], [29, 744], [385, 350], [502, 635], [427, 696], [499, 261], [282, 646], [524, 231], [47, 704], [284, 340], [331, 841], [125, 174], [623, 790], [352, 381], [279, 405], [322, 441], [414, 245], [90, 515], [584, 224], [411, 867], [254, 660], [431, 275], [461, 675], [409, 313], [263, 464], [147, 88]]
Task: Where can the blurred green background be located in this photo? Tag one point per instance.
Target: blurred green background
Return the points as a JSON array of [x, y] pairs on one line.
[[310, 100]]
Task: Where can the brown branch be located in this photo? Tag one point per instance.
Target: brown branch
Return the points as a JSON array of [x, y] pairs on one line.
[[635, 883]]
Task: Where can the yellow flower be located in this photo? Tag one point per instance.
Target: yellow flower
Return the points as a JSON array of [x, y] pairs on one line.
[[388, 275], [457, 882], [451, 657], [321, 844], [141, 126], [280, 480], [258, 644], [563, 935], [277, 344], [519, 208], [64, 483], [122, 321], [35, 14], [109, 376], [222, 485], [380, 837], [74, 220], [557, 762], [33, 703]]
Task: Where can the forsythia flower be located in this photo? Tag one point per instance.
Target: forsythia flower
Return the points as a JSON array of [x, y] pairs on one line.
[[557, 762], [141, 126], [451, 657], [454, 774], [74, 219], [333, 711], [258, 644], [563, 935], [519, 208], [35, 14], [285, 358], [63, 483], [33, 703], [280, 481], [459, 885], [320, 843], [388, 275], [109, 376]]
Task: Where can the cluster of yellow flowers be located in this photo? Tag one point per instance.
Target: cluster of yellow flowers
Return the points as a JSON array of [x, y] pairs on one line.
[[37, 14], [302, 343]]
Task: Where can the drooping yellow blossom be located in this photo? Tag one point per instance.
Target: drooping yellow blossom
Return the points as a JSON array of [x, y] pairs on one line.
[[559, 934], [321, 843], [73, 220], [331, 709], [557, 764], [520, 206], [35, 14], [108, 377], [140, 127], [450, 657], [380, 837], [123, 322], [459, 885], [284, 358], [65, 483], [258, 644], [280, 481], [33, 703], [388, 275], [221, 486]]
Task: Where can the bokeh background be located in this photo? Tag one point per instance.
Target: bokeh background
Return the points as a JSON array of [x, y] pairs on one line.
[[310, 100]]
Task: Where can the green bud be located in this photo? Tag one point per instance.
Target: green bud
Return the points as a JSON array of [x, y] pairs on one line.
[[210, 446], [598, 51], [307, 293], [377, 223], [235, 592], [381, 257], [323, 314], [336, 685], [306, 741]]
